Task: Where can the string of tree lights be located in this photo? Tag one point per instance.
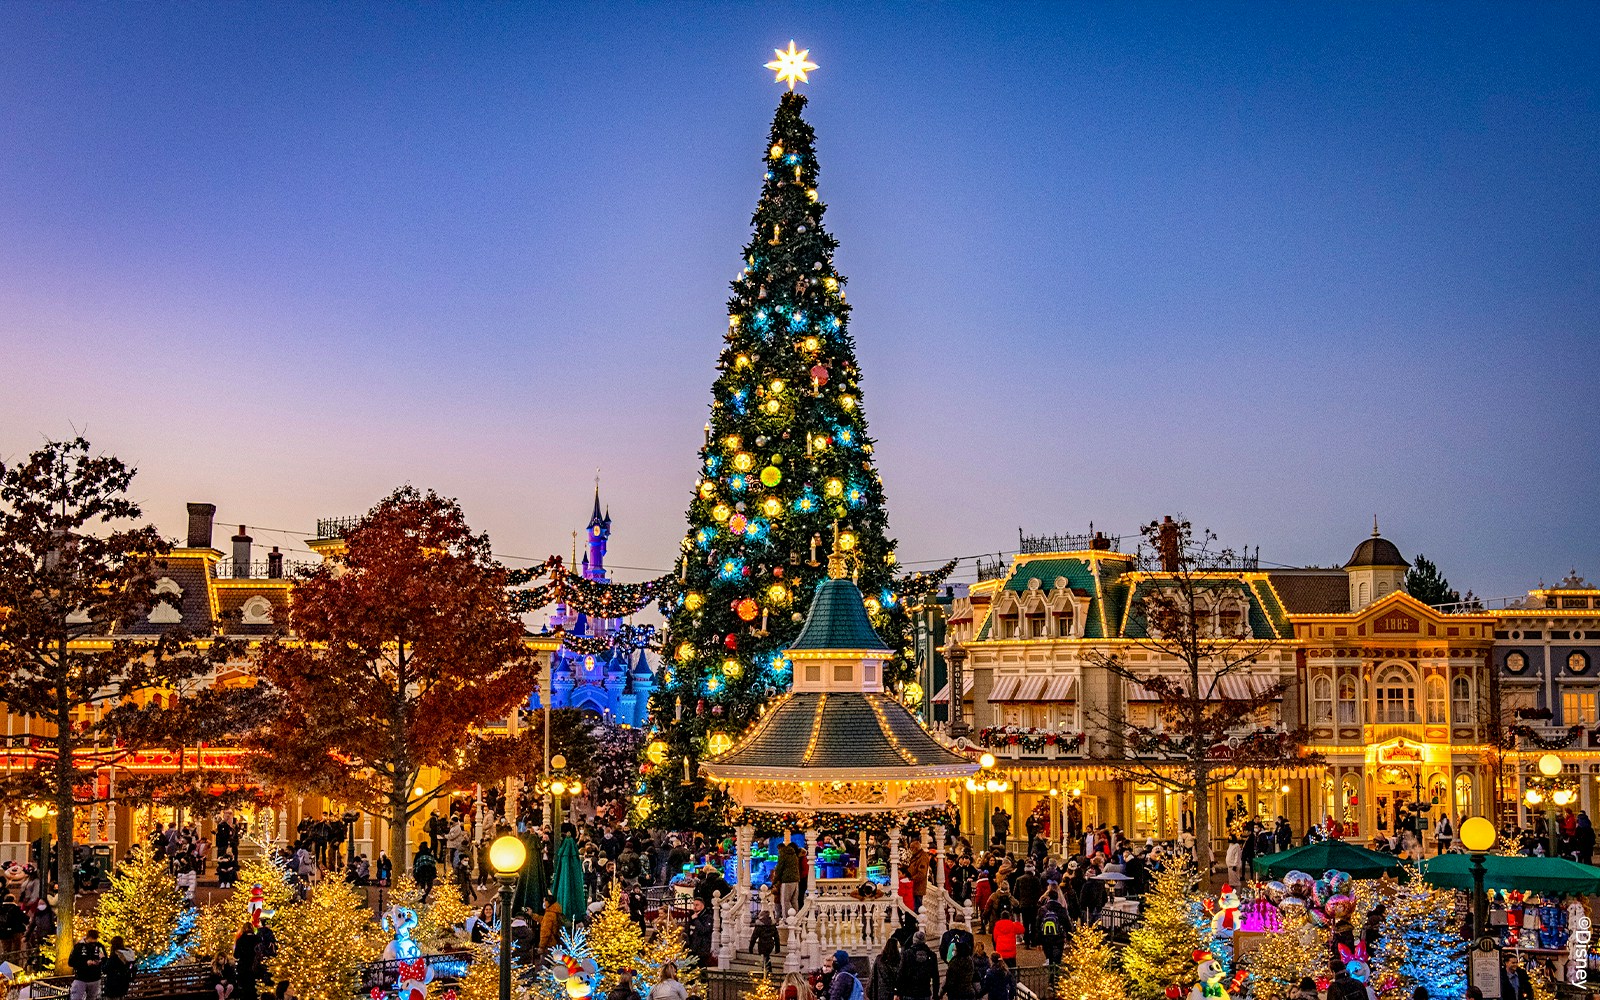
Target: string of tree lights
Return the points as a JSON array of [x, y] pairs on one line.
[[786, 464]]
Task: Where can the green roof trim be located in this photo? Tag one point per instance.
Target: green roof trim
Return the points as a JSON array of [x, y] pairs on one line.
[[1276, 614], [838, 620]]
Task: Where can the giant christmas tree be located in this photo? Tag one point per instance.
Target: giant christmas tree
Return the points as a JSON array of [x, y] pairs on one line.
[[786, 463]]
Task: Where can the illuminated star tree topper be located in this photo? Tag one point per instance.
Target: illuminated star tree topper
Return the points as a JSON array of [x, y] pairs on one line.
[[791, 65]]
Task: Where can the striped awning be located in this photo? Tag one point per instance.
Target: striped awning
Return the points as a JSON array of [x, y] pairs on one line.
[[1228, 686], [943, 694], [1005, 687], [1061, 689], [1043, 687]]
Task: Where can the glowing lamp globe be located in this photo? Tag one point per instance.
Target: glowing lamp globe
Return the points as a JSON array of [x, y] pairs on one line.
[[972, 786], [558, 786], [1533, 797], [1549, 765], [1563, 797], [507, 855], [576, 788], [38, 811], [1477, 835], [987, 760], [558, 762]]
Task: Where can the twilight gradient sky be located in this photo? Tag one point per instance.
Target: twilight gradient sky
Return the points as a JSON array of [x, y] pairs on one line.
[[1277, 267]]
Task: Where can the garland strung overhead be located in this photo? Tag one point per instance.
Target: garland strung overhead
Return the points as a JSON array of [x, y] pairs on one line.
[[824, 821], [594, 598]]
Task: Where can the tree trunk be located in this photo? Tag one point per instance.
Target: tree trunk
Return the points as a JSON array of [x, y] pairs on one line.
[[1202, 826], [67, 898], [399, 795]]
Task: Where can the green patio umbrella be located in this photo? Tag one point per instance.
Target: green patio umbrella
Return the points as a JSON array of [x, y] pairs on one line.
[[567, 882], [1327, 855], [533, 883], [1454, 871]]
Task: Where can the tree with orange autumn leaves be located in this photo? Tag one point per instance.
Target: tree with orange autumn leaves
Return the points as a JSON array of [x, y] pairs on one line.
[[400, 647]]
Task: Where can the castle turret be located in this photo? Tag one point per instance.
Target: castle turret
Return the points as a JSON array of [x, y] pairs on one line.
[[594, 562]]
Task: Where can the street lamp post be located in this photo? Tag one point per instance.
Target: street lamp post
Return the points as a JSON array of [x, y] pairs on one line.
[[507, 855], [1477, 836], [989, 781], [558, 784]]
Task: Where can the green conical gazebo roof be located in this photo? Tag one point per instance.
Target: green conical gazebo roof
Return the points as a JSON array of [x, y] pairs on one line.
[[838, 620]]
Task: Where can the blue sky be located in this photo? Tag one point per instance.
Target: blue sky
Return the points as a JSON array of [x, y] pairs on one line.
[[1277, 267]]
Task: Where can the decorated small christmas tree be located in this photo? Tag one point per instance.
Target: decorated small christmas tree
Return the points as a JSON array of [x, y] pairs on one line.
[[1088, 968], [1282, 959], [323, 941], [762, 988], [263, 887], [146, 908], [668, 944], [482, 981], [617, 943], [1418, 946], [1162, 944], [438, 918]]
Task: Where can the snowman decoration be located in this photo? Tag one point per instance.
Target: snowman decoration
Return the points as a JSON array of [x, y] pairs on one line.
[[1227, 918]]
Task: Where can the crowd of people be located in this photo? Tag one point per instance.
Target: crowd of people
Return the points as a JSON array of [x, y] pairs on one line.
[[1026, 895]]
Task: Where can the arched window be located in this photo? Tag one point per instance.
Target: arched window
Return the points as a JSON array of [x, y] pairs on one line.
[[1347, 701], [1397, 695], [1361, 595], [1322, 700], [1435, 686], [1461, 700], [1064, 622], [1463, 795]]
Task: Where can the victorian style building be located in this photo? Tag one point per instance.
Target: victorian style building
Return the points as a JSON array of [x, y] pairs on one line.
[[1413, 710], [247, 594]]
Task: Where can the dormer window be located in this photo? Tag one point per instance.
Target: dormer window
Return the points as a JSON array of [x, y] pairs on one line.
[[1036, 627], [1008, 626], [166, 612]]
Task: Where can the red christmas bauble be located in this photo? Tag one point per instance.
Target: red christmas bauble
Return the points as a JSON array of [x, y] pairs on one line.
[[731, 641], [820, 375]]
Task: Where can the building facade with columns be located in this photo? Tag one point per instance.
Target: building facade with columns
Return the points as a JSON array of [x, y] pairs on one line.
[[1397, 698]]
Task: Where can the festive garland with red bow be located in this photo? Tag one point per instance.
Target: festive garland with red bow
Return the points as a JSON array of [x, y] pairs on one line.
[[1031, 740]]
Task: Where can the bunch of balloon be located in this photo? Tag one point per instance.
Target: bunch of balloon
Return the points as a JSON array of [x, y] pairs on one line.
[[1325, 901]]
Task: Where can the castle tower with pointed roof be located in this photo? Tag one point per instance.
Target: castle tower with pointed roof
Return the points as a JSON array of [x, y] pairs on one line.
[[615, 683]]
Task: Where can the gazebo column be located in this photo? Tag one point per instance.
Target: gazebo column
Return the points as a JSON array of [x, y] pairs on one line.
[[811, 864], [743, 843], [894, 861]]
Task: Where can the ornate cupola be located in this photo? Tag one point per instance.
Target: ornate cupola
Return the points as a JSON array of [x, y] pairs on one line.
[[836, 742], [1376, 569]]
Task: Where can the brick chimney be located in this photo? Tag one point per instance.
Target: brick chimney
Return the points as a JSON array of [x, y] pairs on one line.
[[1167, 542], [200, 517], [275, 564], [241, 554]]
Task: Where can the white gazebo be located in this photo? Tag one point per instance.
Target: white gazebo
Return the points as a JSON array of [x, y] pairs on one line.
[[837, 755]]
